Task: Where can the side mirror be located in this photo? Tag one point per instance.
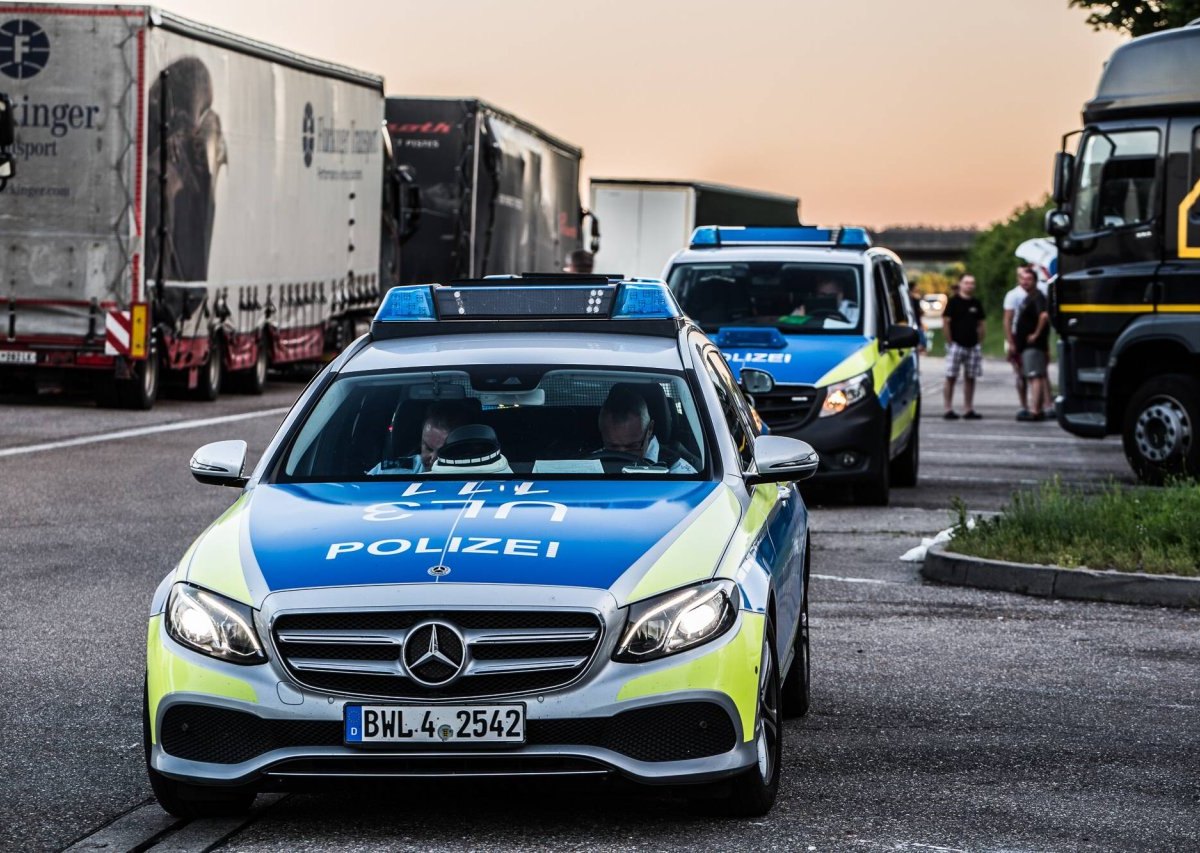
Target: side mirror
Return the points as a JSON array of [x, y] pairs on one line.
[[757, 381], [779, 459], [1058, 223], [1064, 173], [220, 463], [902, 337]]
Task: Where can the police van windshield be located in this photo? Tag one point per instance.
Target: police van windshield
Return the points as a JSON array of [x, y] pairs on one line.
[[495, 422], [796, 298]]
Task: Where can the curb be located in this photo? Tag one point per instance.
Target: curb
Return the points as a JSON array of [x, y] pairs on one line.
[[1055, 582]]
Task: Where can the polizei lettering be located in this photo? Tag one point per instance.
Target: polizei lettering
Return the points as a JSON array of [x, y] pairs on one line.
[[759, 357], [492, 545]]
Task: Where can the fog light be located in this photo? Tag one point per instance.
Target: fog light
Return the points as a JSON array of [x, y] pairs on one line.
[[848, 459]]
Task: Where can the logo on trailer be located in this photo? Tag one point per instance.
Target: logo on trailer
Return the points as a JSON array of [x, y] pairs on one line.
[[24, 49], [308, 134], [434, 654]]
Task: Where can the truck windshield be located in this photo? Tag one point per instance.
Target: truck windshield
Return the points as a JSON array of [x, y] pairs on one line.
[[796, 298], [1117, 180], [495, 422]]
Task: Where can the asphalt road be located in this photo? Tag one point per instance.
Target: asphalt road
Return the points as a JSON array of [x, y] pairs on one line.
[[942, 718]]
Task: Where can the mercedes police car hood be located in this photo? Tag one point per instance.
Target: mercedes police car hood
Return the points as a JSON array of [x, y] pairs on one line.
[[801, 359], [627, 535]]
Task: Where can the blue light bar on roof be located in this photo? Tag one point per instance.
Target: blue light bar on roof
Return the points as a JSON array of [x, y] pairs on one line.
[[412, 303], [715, 236], [645, 300]]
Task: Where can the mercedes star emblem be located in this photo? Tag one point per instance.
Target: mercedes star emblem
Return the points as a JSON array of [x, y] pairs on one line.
[[434, 654]]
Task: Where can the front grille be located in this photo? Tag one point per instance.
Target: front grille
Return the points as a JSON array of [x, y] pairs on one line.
[[662, 733], [788, 407], [508, 652]]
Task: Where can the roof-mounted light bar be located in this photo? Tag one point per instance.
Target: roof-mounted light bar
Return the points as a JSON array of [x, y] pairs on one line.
[[716, 236]]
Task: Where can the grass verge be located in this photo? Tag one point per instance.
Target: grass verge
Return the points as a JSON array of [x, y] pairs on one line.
[[1121, 528]]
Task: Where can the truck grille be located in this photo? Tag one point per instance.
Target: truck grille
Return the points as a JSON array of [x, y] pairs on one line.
[[503, 653], [788, 407]]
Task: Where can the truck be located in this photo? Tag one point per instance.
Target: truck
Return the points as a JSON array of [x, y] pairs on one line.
[[192, 207], [648, 221], [1126, 303], [482, 191]]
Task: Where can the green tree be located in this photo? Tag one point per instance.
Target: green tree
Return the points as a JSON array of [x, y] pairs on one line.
[[1139, 17], [991, 258]]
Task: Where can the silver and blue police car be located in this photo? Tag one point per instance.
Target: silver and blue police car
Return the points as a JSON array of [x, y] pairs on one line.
[[525, 526], [818, 325]]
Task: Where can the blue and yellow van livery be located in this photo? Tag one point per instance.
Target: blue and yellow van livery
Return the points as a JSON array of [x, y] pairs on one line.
[[820, 329], [524, 527]]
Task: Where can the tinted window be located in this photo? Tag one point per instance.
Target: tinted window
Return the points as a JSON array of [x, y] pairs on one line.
[[796, 298], [733, 407], [1117, 181], [897, 293]]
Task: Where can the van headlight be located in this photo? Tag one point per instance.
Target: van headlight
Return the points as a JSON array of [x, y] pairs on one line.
[[677, 621], [213, 625], [842, 395]]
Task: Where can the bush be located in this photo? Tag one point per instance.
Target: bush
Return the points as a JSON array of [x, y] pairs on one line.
[[992, 259], [1120, 528]]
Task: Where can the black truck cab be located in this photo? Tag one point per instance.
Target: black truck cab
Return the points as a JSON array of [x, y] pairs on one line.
[[1127, 300]]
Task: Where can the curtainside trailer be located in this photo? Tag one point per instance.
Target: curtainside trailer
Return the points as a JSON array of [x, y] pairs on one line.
[[192, 206]]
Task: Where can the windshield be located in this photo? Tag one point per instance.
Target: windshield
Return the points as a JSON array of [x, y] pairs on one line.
[[495, 422], [1117, 176], [795, 298]]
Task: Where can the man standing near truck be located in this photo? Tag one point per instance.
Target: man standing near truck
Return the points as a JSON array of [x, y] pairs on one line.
[[963, 323], [1031, 335]]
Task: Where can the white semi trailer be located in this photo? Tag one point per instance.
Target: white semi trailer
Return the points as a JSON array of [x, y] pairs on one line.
[[190, 205]]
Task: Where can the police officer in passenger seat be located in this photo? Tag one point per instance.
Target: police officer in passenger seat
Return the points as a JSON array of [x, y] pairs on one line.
[[626, 427]]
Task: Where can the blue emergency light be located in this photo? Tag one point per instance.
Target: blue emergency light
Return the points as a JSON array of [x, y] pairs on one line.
[[715, 236]]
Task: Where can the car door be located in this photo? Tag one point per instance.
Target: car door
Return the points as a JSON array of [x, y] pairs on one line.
[[1179, 276], [904, 381], [776, 506]]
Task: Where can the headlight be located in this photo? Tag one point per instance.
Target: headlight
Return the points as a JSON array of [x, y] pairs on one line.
[[677, 621], [842, 395], [213, 625]]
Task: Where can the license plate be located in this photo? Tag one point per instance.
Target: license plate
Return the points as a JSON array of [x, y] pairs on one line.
[[17, 356], [444, 724]]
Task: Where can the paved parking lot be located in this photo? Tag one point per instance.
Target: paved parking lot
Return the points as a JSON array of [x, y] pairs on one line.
[[942, 719]]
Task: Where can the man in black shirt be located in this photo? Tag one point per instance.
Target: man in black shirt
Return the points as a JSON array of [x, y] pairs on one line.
[[1031, 334], [963, 324]]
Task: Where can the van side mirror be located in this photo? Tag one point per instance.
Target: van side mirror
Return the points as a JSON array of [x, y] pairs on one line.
[[1064, 173], [408, 202], [221, 463], [779, 459], [902, 337]]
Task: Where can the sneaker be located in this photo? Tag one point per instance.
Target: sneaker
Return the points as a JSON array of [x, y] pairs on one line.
[[972, 416], [951, 415], [1024, 415], [1038, 416]]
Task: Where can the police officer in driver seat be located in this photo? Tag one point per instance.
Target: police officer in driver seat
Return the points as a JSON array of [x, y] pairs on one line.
[[441, 418], [626, 428]]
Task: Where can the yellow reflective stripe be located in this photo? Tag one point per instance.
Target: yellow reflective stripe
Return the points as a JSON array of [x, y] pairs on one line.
[[860, 361], [167, 672], [1179, 309], [1186, 250], [138, 329], [1104, 308], [731, 669], [906, 417], [217, 561], [762, 501], [691, 556]]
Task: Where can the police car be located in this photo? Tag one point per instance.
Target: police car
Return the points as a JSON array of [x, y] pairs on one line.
[[819, 328], [525, 526]]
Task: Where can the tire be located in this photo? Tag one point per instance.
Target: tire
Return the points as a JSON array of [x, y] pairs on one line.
[[795, 687], [752, 793], [254, 380], [877, 492], [211, 374], [191, 801], [139, 392], [907, 465], [1160, 429]]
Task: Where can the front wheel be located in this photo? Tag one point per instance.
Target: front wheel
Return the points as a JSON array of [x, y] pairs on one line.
[[212, 372], [753, 792], [1159, 432], [795, 689], [877, 492]]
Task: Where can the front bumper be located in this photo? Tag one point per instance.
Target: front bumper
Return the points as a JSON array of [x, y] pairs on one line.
[[850, 444], [682, 719]]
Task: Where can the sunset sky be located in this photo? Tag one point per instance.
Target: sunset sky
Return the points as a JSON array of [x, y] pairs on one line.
[[874, 111]]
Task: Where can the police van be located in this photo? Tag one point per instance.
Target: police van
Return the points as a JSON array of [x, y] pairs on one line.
[[820, 329]]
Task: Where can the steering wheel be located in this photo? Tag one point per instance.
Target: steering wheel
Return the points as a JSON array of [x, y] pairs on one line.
[[625, 459], [829, 312]]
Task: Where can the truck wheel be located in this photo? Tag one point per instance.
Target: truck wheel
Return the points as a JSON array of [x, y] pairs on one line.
[[254, 380], [139, 392], [877, 492], [1160, 427], [190, 801], [907, 465], [212, 372], [753, 792], [795, 685]]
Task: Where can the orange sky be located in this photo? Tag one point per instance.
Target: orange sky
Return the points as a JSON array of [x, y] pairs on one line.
[[872, 111]]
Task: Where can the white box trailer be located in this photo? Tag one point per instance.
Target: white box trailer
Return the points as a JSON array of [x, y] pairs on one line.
[[189, 205], [645, 222]]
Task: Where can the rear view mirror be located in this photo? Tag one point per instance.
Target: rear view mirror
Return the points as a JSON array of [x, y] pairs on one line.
[[779, 459], [221, 463], [1058, 223], [902, 337], [1064, 172]]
